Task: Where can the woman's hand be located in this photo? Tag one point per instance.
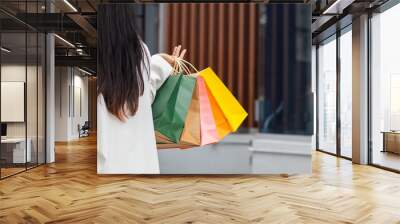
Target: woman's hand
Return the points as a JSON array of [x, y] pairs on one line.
[[177, 53]]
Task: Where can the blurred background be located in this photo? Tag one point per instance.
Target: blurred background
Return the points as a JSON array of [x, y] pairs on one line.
[[262, 52], [344, 103]]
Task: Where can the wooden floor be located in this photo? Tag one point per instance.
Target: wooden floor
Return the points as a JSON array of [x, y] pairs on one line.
[[386, 159], [70, 191], [5, 172]]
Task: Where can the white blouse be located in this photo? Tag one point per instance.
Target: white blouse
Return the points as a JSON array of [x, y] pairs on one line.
[[130, 147]]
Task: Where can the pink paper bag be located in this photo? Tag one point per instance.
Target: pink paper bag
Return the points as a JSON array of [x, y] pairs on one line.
[[208, 128]]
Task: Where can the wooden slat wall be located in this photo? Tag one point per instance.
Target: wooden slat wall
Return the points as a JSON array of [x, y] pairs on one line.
[[222, 36]]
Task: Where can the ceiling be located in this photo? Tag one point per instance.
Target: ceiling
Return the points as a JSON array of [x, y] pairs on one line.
[[75, 22]]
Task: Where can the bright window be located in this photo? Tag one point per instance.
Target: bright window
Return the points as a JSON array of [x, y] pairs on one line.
[[385, 88], [327, 96]]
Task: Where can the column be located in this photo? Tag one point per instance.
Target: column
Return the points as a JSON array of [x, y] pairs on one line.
[[360, 90]]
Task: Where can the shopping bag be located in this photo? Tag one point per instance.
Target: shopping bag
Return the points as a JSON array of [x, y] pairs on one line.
[[172, 146], [161, 139], [222, 126], [168, 89], [228, 104], [221, 123], [191, 130], [208, 128], [171, 105], [164, 143]]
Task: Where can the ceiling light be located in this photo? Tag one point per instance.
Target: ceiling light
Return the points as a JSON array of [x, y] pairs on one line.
[[65, 41], [79, 51], [329, 9], [70, 5], [337, 7], [84, 71], [5, 50]]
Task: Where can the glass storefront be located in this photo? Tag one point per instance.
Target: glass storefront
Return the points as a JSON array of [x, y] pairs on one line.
[[385, 89], [346, 92], [22, 90], [327, 95], [335, 77], [334, 101]]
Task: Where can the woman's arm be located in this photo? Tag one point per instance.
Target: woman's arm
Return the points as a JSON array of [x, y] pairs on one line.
[[160, 69]]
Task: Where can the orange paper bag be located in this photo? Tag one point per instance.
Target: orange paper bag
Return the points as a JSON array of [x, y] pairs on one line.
[[233, 113], [191, 130], [222, 124]]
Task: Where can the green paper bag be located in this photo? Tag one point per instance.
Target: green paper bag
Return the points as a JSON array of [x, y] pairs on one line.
[[171, 105]]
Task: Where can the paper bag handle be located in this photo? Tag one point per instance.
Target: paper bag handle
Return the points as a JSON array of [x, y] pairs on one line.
[[184, 66]]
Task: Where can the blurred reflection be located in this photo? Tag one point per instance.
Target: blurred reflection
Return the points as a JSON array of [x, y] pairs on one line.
[[14, 145]]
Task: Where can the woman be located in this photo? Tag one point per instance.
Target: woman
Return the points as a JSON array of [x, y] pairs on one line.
[[128, 79]]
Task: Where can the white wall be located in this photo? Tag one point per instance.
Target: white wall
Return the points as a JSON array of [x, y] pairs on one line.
[[14, 72], [13, 100], [33, 127], [71, 94], [17, 72], [79, 117], [62, 82]]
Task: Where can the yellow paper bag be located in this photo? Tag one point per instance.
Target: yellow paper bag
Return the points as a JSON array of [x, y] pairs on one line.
[[230, 107]]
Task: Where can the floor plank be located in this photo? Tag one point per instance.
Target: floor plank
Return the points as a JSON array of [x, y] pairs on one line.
[[70, 191]]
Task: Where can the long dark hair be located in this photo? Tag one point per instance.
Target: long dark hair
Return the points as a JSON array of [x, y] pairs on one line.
[[121, 59]]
